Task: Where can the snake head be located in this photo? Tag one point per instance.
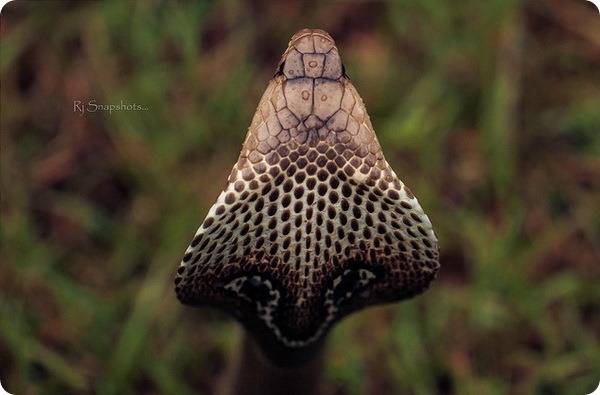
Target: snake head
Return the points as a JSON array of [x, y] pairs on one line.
[[313, 223]]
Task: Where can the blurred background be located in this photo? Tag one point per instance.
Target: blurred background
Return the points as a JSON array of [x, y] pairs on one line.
[[489, 111]]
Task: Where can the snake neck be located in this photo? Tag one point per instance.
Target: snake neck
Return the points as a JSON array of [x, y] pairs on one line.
[[254, 374]]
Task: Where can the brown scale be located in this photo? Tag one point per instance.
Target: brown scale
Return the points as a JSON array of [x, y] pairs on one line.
[[313, 223]]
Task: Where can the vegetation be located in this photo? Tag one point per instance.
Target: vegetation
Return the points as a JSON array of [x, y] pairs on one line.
[[489, 111]]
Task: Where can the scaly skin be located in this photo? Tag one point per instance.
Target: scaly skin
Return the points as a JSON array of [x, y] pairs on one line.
[[313, 223]]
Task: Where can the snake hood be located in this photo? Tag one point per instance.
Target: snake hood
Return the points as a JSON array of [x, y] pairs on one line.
[[313, 223]]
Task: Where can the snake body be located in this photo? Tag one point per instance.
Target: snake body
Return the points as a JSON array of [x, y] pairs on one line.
[[313, 223]]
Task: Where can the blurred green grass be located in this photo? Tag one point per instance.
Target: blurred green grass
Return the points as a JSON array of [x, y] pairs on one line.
[[488, 111]]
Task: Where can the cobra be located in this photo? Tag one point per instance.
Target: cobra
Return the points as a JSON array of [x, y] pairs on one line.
[[313, 223]]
